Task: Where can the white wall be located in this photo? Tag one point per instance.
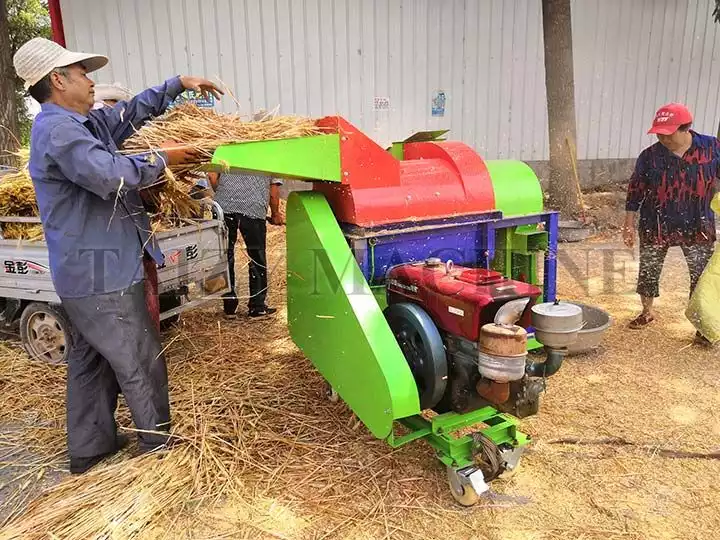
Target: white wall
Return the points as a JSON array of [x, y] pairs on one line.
[[631, 56], [318, 57]]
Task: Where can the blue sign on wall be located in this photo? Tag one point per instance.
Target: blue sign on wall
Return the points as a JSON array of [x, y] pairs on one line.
[[438, 103]]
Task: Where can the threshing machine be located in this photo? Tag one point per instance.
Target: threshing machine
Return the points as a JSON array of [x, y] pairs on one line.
[[414, 286]]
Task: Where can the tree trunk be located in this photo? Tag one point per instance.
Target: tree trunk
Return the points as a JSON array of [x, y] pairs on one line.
[[9, 135], [560, 86]]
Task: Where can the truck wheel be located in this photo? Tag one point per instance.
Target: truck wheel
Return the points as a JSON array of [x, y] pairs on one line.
[[45, 333], [168, 302]]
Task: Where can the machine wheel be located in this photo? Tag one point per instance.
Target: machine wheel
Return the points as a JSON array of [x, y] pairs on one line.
[[461, 491], [45, 333], [423, 349]]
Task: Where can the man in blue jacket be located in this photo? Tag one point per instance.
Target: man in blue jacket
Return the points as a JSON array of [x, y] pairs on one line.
[[98, 238]]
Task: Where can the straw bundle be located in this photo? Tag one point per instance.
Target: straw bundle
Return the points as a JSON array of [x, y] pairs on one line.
[[204, 130], [17, 198], [170, 204], [169, 201], [169, 207], [22, 231]]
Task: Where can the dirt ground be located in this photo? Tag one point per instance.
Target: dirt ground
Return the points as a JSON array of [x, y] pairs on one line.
[[644, 408]]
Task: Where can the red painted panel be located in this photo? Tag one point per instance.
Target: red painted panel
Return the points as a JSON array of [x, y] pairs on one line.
[[364, 163], [472, 172], [437, 179], [456, 304]]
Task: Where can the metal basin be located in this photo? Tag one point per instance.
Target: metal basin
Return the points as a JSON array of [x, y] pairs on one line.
[[556, 323], [595, 322]]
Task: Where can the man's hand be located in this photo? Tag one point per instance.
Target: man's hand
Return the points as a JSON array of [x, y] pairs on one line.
[[179, 154], [149, 198], [277, 219], [629, 229], [201, 85]]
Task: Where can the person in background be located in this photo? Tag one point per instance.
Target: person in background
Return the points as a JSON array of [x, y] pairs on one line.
[[98, 235], [672, 186], [110, 94], [201, 189], [244, 199]]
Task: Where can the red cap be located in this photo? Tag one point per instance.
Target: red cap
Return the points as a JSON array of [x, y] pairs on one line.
[[669, 118]]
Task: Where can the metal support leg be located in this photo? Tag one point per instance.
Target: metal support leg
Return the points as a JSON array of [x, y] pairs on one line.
[[490, 245], [550, 277]]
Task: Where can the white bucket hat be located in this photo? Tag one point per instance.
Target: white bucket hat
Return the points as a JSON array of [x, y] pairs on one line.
[[39, 56], [112, 91]]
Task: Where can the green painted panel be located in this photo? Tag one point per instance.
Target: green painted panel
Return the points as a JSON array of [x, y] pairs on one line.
[[380, 293], [397, 150], [335, 319], [517, 188], [310, 158]]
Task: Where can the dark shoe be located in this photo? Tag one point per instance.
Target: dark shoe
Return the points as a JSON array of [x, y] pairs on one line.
[[230, 304], [84, 464], [641, 321], [261, 312]]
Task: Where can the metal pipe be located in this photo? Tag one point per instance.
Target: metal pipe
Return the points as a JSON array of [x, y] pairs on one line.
[[549, 367]]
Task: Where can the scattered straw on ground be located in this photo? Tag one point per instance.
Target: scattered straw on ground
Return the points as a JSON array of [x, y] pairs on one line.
[[266, 456]]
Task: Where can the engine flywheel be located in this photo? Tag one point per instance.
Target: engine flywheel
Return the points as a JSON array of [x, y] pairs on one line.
[[423, 348]]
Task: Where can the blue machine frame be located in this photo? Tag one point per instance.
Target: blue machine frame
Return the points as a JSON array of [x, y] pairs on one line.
[[467, 240]]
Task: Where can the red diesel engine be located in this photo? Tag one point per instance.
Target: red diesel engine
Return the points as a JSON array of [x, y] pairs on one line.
[[444, 319]]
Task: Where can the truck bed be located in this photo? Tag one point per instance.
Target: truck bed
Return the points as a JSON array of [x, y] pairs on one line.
[[194, 254]]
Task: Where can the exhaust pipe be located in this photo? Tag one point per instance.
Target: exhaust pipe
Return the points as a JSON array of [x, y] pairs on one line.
[[551, 365]]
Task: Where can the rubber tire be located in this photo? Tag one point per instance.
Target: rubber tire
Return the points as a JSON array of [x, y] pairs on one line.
[[468, 497], [434, 371], [59, 314], [168, 302]]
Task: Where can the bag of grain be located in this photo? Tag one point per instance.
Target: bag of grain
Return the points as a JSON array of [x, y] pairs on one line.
[[704, 307]]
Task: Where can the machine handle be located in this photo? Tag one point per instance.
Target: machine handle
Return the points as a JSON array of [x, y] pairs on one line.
[[218, 211], [219, 214]]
